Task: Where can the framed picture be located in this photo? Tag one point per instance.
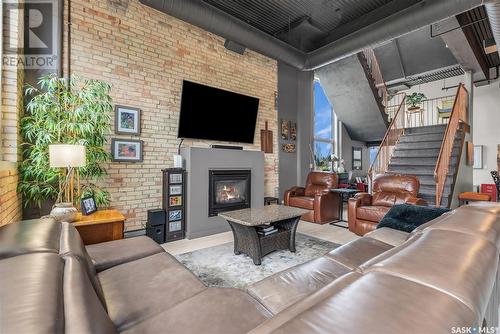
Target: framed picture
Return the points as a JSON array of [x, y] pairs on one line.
[[88, 205], [174, 215], [285, 129], [469, 154], [478, 157], [175, 201], [289, 148], [127, 120], [126, 150], [175, 190], [357, 158], [176, 178], [293, 131], [174, 226]]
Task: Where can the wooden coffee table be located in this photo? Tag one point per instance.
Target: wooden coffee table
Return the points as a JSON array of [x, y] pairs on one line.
[[244, 225]]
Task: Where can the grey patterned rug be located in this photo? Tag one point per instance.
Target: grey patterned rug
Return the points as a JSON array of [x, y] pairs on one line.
[[218, 266]]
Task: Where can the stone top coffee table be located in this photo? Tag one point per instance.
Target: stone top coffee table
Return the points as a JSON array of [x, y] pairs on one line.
[[244, 224]]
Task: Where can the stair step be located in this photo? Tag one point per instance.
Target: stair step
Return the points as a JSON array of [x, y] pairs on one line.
[[420, 137], [427, 129], [429, 180], [431, 189], [422, 145], [431, 200], [417, 153], [416, 170], [418, 161]]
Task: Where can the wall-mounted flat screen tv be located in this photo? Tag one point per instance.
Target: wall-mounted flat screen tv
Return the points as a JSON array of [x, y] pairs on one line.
[[216, 114]]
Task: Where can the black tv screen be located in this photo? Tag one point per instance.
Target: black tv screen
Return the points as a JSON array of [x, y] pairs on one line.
[[216, 114]]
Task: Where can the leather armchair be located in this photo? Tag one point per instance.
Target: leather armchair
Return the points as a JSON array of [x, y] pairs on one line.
[[316, 197], [365, 211]]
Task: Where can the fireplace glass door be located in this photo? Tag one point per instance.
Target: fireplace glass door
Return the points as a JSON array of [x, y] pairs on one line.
[[228, 190]]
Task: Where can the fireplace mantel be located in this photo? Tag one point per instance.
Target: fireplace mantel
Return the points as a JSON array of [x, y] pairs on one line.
[[199, 161]]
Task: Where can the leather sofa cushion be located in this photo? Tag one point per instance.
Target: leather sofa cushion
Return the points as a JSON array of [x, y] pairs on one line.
[[440, 259], [109, 254], [371, 213], [357, 252], [83, 311], [140, 289], [302, 202], [317, 182], [285, 288], [41, 235], [72, 244], [391, 189], [31, 299], [215, 310], [395, 306], [388, 236]]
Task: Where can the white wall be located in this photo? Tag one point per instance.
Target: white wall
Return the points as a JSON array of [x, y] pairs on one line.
[[486, 129], [347, 145]]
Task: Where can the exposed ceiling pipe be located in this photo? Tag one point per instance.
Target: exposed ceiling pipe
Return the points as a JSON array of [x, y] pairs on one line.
[[493, 11], [209, 18]]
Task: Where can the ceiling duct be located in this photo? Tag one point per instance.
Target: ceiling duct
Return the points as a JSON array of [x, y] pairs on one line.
[[220, 23], [493, 11]]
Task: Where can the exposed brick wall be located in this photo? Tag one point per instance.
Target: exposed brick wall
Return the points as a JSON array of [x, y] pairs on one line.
[[11, 78], [145, 55]]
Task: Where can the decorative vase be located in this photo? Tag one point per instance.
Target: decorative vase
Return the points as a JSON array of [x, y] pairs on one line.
[[64, 212]]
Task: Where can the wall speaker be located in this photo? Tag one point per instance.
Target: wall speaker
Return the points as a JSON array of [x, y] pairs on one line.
[[157, 233], [235, 47], [156, 217]]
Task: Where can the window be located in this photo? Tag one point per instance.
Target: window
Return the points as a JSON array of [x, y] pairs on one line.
[[325, 129], [372, 151]]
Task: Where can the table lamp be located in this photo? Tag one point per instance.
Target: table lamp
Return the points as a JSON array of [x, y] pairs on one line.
[[68, 157]]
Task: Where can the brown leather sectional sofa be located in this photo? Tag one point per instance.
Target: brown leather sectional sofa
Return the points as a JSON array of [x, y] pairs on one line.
[[441, 276]]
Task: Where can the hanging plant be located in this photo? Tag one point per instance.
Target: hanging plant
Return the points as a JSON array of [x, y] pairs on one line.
[[76, 111], [414, 100]]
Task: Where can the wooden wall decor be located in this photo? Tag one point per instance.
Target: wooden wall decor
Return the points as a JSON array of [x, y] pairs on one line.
[[266, 140]]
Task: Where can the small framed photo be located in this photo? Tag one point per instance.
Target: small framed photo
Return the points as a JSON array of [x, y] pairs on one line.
[[175, 201], [176, 178], [175, 189], [285, 129], [174, 226], [126, 150], [127, 120], [88, 205], [174, 215]]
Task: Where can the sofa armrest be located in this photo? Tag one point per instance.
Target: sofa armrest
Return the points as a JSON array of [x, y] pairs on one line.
[[416, 201], [365, 199], [326, 207], [293, 191]]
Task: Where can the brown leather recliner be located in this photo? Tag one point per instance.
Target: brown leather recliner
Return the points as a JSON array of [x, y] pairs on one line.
[[316, 197], [366, 211]]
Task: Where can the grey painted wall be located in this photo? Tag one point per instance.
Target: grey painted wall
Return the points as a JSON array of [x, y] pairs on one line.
[[198, 162], [346, 154], [295, 103]]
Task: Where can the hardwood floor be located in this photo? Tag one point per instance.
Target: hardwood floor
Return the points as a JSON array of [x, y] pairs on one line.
[[328, 232]]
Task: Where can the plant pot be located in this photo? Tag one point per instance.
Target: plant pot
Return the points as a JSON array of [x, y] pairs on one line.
[[63, 212]]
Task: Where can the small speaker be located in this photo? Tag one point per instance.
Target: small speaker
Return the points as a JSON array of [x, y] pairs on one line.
[[235, 47], [157, 233], [156, 217]]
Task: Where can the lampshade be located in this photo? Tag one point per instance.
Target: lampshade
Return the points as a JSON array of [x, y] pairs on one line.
[[66, 155]]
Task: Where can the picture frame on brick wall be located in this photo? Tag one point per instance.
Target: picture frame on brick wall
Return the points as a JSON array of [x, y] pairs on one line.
[[127, 150], [127, 120]]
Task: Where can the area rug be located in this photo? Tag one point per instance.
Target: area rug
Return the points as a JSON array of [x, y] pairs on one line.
[[218, 266]]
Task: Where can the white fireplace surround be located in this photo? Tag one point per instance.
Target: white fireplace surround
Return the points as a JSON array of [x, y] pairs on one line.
[[198, 162]]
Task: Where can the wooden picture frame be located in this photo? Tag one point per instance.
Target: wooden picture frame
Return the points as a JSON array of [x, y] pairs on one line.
[[470, 154], [126, 150], [127, 120], [293, 131], [88, 205], [285, 129], [478, 157], [357, 158]]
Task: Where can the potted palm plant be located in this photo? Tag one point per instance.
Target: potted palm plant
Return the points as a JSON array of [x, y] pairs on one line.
[[414, 100], [72, 111]]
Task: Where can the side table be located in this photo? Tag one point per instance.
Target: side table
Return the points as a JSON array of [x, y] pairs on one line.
[[343, 193], [101, 226]]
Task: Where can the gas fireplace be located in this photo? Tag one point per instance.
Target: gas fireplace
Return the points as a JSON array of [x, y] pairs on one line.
[[228, 190]]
